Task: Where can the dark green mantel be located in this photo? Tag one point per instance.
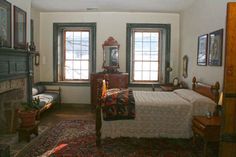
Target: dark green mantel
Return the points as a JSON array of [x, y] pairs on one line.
[[15, 64]]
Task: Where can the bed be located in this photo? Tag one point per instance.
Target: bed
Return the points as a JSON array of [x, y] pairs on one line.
[[160, 114]]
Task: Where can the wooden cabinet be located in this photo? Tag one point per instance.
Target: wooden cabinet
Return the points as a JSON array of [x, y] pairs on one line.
[[228, 131], [206, 128], [116, 80]]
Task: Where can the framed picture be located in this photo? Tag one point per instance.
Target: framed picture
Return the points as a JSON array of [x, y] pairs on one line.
[[215, 48], [19, 28], [202, 50], [5, 24]]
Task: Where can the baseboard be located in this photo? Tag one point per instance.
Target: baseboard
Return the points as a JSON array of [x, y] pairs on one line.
[[76, 105]]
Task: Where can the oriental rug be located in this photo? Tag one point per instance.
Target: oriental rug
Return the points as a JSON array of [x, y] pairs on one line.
[[76, 138]]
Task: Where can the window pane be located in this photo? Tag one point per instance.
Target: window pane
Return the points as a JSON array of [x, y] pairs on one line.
[[138, 66], [154, 66], [146, 56], [138, 46], [77, 55], [146, 37], [146, 66], [85, 45], [77, 35], [69, 55], [138, 36], [69, 35], [137, 75], [84, 74], [76, 64], [154, 46], [77, 46], [138, 55], [69, 45], [146, 75], [154, 57], [146, 46], [76, 74], [69, 65], [68, 74], [84, 65], [154, 36], [85, 36], [85, 54], [154, 76]]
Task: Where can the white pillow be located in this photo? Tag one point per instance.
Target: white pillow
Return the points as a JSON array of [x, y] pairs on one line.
[[201, 104]]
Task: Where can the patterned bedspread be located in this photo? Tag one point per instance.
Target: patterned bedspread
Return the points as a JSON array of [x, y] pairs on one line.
[[118, 104]]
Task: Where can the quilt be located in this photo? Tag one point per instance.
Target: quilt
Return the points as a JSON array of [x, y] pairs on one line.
[[118, 104]]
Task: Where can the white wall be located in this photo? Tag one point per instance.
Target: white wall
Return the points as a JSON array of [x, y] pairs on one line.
[[203, 17], [26, 6], [35, 15], [108, 24]]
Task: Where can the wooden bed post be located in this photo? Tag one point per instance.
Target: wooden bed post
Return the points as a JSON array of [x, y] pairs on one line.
[[98, 126], [194, 82], [98, 112]]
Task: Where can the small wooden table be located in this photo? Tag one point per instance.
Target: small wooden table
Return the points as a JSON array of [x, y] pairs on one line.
[[206, 128], [25, 132]]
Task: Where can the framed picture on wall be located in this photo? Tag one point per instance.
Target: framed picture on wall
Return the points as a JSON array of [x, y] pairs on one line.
[[215, 48], [19, 28], [202, 50], [5, 24]]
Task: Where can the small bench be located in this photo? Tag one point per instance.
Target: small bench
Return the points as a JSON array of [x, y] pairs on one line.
[[47, 98]]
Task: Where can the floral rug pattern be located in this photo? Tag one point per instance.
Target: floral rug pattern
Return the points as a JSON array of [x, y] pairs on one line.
[[76, 138]]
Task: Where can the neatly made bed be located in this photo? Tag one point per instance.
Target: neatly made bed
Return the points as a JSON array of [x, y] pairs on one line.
[[161, 114]]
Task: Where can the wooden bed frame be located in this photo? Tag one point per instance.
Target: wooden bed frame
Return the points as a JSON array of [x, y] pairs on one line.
[[211, 91]]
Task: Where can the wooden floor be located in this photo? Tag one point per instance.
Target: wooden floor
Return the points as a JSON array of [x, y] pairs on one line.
[[47, 120]]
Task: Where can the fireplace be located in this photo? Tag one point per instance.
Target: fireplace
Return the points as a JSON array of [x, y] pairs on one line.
[[12, 93], [15, 85]]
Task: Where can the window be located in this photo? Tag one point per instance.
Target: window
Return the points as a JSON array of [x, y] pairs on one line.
[[148, 53], [76, 55], [74, 52], [145, 54]]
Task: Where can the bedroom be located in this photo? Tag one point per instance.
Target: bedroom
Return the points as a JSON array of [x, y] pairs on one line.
[[186, 26]]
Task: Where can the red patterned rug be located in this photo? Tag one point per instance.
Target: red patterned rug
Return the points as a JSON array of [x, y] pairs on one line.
[[76, 138]]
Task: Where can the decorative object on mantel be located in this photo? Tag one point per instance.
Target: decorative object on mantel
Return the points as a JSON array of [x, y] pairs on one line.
[[215, 48], [19, 28], [185, 66], [202, 49], [37, 59], [5, 24], [32, 46], [110, 55]]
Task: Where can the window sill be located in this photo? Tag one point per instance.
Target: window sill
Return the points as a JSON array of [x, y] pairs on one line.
[[67, 83]]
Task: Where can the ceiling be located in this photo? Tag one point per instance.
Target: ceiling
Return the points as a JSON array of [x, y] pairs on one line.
[[165, 6]]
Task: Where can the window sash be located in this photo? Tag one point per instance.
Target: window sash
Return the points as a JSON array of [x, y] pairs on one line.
[[73, 60], [141, 59]]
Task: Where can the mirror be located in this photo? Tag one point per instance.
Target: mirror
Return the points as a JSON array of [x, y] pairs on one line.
[[110, 55]]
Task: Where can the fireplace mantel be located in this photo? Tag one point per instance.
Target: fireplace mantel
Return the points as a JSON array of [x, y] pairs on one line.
[[16, 64]]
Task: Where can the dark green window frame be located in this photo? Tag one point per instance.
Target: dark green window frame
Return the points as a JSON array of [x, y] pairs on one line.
[[57, 41], [130, 27]]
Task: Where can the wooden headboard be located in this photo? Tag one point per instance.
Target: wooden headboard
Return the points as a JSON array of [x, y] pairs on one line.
[[211, 91]]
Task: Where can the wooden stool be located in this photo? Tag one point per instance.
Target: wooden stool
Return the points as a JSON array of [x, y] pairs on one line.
[[24, 133]]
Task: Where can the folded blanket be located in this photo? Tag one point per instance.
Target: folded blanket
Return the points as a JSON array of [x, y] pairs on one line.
[[118, 104]]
